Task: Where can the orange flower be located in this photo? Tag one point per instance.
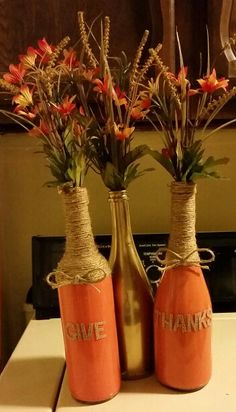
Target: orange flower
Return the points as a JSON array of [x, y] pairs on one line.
[[24, 111], [101, 86], [44, 46], [28, 60], [120, 96], [140, 109], [78, 129], [181, 77], [70, 58], [38, 131], [122, 132], [16, 74], [66, 107], [210, 84], [88, 74], [45, 50], [181, 80], [24, 98]]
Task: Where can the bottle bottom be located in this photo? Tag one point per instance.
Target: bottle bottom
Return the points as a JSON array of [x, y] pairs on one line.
[[180, 388], [127, 376], [94, 402]]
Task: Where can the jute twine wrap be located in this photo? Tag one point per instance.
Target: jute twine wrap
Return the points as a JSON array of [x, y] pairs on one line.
[[182, 247], [81, 262]]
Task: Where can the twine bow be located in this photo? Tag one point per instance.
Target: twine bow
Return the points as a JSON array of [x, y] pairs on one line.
[[58, 278], [179, 260]]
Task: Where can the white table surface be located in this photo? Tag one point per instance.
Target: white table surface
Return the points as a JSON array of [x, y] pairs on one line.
[[32, 379], [148, 395]]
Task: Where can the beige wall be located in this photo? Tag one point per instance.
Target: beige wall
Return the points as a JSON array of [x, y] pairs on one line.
[[28, 208]]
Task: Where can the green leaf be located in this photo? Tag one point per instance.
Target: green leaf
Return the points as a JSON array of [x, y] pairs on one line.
[[136, 153], [166, 163], [211, 162], [111, 177], [132, 173]]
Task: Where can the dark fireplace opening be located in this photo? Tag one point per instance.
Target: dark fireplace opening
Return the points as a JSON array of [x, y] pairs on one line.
[[221, 278]]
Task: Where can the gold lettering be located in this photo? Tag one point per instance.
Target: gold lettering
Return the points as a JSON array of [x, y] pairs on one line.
[[208, 317], [167, 320], [180, 323], [192, 323], [85, 332], [86, 335], [184, 322], [99, 330], [71, 330]]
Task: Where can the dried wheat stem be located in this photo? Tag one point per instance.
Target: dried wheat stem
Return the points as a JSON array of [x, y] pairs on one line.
[[217, 103], [85, 41], [164, 70], [106, 35], [9, 87], [54, 56], [149, 62], [137, 58]]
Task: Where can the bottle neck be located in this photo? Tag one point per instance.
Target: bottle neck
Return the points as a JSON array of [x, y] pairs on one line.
[[79, 235], [182, 239], [120, 215]]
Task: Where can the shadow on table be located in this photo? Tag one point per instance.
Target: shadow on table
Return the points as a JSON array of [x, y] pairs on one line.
[[148, 385], [31, 382]]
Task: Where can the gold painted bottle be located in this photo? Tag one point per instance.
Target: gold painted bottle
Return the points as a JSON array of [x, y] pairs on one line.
[[132, 294]]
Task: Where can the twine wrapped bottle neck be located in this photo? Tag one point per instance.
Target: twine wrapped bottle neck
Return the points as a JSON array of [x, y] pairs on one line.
[[81, 262], [79, 235], [182, 238]]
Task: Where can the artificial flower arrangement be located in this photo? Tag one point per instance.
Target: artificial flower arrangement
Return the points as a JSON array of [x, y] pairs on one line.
[[83, 108], [117, 103], [44, 103], [184, 117]]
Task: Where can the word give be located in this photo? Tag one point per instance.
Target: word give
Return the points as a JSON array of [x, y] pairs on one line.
[[85, 332]]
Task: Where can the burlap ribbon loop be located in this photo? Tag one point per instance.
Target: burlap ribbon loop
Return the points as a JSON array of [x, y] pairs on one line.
[[178, 260], [59, 278]]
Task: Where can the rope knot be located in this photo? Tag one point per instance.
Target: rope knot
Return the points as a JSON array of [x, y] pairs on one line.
[[179, 260], [59, 278]]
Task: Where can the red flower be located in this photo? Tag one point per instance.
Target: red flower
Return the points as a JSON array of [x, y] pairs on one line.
[[122, 132], [45, 50], [210, 84], [44, 46], [16, 74], [66, 107], [166, 153]]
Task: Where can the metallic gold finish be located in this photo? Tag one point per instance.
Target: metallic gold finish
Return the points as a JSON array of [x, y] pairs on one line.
[[132, 294]]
